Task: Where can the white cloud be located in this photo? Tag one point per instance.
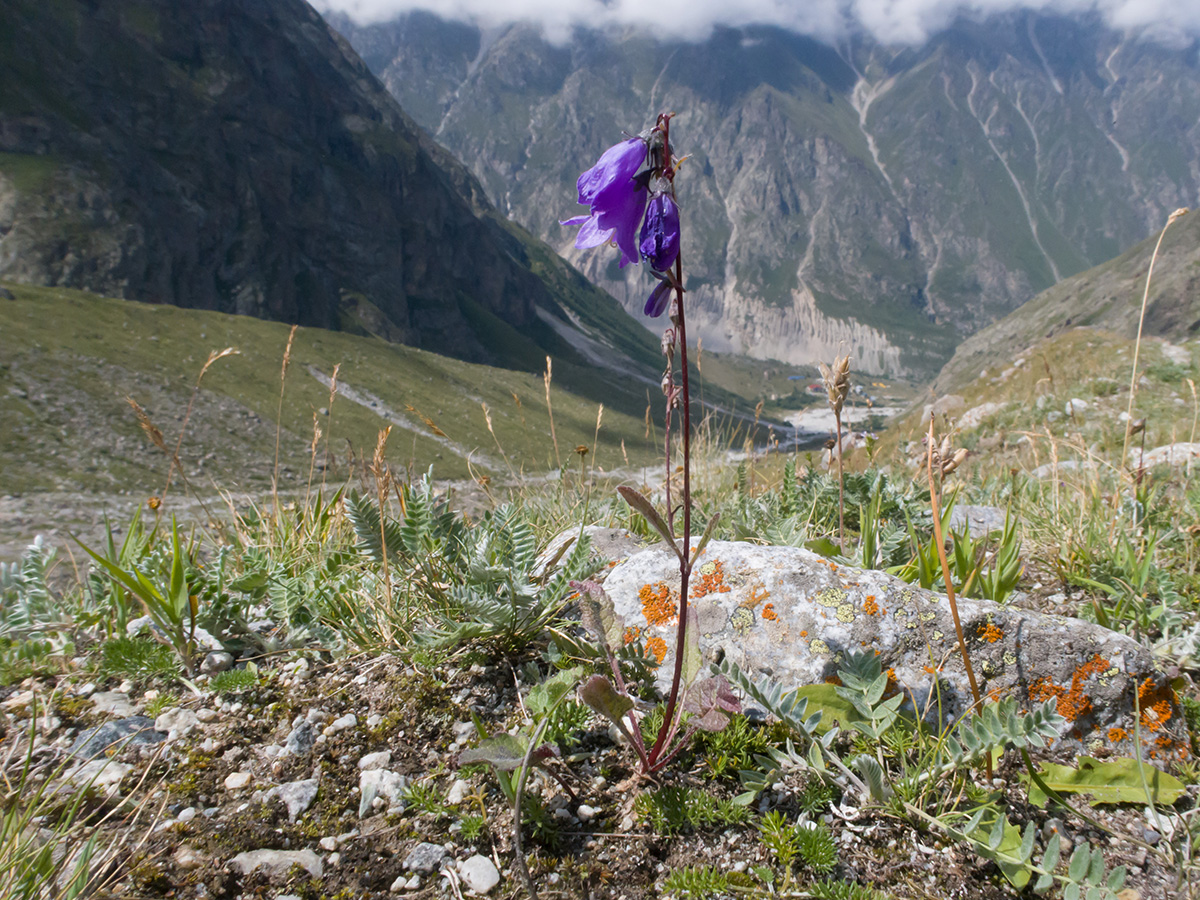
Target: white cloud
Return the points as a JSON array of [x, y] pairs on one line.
[[893, 21]]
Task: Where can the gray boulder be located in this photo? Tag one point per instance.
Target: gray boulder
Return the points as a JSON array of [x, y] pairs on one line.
[[793, 615]]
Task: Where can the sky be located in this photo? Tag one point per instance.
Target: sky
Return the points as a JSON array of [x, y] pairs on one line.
[[891, 21]]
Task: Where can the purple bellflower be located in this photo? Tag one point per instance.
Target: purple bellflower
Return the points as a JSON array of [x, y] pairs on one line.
[[617, 200], [660, 233]]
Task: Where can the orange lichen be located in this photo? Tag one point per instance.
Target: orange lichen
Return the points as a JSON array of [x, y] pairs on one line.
[[768, 613], [989, 633], [834, 680], [632, 633], [712, 581], [930, 670], [871, 605], [804, 633], [893, 685], [659, 603], [758, 594], [1116, 735], [1155, 701], [657, 648], [1072, 703]]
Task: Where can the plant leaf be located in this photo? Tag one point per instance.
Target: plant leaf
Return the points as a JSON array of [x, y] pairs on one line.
[[598, 693], [711, 701], [545, 696], [599, 616], [693, 661], [504, 751], [1110, 781], [708, 533], [639, 503]]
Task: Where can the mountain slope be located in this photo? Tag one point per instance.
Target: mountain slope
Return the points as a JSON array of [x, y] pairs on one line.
[[890, 199], [1107, 297], [237, 156]]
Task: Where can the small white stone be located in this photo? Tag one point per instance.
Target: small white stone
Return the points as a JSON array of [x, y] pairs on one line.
[[586, 813], [458, 792], [329, 844], [335, 858], [341, 724], [237, 781], [399, 884], [207, 715], [186, 815], [374, 720], [479, 874], [413, 883], [380, 760]]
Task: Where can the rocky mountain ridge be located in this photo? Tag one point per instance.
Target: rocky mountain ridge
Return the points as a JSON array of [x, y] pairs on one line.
[[238, 156], [885, 199]]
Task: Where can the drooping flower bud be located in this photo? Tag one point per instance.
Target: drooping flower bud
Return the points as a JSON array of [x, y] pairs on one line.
[[660, 233]]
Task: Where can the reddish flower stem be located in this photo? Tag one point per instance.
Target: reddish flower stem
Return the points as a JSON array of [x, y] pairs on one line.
[[685, 564]]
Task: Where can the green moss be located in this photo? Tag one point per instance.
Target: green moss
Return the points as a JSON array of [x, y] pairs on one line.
[[28, 174]]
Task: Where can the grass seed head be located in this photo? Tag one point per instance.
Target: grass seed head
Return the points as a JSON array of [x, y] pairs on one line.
[[837, 382]]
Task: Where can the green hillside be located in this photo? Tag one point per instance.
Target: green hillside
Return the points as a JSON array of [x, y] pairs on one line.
[[69, 360]]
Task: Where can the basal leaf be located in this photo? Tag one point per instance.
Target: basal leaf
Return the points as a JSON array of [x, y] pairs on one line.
[[545, 696], [504, 751], [598, 693], [1110, 781]]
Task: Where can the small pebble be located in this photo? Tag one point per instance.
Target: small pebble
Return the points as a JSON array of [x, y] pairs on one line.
[[479, 874], [379, 760], [586, 813], [237, 781], [329, 844], [458, 792]]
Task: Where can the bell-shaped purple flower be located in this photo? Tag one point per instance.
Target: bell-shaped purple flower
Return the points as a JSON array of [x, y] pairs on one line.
[[617, 200], [660, 233], [656, 303]]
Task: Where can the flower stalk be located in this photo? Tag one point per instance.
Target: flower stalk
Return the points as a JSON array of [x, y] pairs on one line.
[[617, 194]]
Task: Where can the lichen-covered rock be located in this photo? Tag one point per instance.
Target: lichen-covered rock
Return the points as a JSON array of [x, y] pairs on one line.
[[793, 615]]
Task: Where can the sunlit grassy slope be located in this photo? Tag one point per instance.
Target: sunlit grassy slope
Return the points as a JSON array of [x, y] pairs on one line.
[[69, 360]]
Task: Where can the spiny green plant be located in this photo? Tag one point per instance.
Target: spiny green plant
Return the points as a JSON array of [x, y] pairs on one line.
[[138, 659], [675, 809], [233, 680]]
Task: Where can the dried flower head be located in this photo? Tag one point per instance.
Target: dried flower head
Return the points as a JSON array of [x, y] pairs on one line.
[[1179, 213], [837, 382], [945, 458]]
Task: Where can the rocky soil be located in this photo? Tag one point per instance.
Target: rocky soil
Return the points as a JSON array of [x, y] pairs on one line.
[[338, 779]]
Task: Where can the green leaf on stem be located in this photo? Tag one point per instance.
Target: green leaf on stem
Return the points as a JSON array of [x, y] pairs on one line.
[[639, 503], [1110, 781], [598, 693], [599, 616]]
